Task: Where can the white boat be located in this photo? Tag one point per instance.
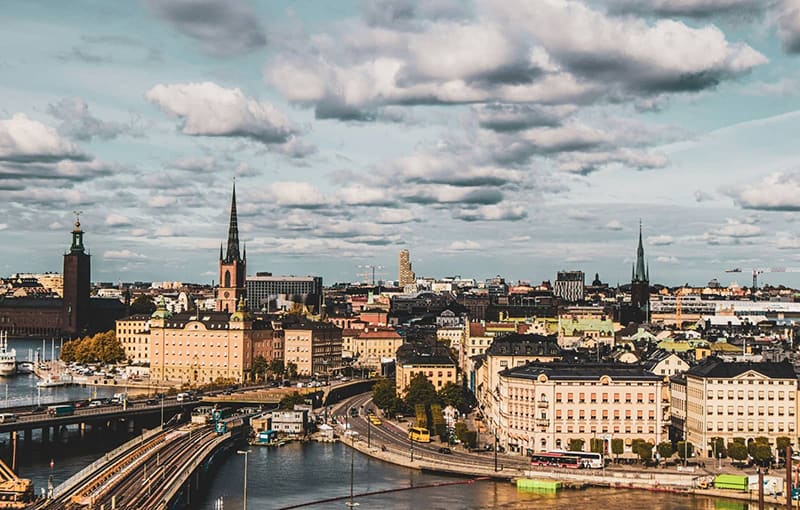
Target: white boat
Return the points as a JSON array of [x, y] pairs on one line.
[[53, 380], [8, 358]]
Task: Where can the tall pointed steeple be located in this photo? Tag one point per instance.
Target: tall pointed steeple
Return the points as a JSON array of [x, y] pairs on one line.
[[233, 231], [641, 269]]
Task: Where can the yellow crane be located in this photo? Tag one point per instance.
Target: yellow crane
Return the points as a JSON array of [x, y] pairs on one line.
[[15, 492]]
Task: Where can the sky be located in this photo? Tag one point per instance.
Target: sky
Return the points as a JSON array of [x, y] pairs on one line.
[[510, 138]]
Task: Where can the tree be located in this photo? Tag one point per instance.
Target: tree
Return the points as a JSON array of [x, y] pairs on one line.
[[460, 430], [291, 370], [645, 450], [259, 368], [276, 367], [420, 391], [617, 446], [596, 445], [142, 305], [421, 416], [102, 347], [685, 449], [760, 450], [737, 451], [439, 426], [575, 445], [385, 396], [471, 439], [718, 447], [781, 442], [289, 401], [458, 396], [665, 450]]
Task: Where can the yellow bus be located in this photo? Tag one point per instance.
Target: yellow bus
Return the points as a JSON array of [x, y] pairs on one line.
[[419, 434], [375, 420]]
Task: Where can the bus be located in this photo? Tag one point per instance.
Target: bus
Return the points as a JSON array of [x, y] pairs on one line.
[[588, 459], [556, 459], [419, 435], [61, 410], [375, 420]]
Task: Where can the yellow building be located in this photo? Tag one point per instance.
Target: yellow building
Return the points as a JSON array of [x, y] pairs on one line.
[[433, 362], [196, 349], [314, 347], [374, 346], [133, 334]]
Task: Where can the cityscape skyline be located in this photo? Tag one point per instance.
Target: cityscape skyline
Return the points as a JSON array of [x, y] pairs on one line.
[[471, 134]]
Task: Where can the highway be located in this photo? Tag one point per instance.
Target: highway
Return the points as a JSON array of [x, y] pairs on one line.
[[394, 437]]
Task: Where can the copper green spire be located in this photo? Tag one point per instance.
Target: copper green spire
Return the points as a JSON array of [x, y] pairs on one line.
[[641, 268]]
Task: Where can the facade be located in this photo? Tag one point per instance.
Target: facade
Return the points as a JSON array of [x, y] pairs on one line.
[[665, 364], [272, 293], [405, 276], [198, 348], [134, 334], [433, 362], [569, 285], [374, 346], [77, 278], [734, 399], [293, 422], [315, 347], [544, 405], [232, 267]]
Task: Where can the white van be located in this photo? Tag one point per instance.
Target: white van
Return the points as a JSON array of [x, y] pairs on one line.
[[183, 397], [7, 417]]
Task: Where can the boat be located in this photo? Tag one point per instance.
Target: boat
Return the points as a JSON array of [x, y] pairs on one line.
[[25, 367], [53, 380], [8, 358]]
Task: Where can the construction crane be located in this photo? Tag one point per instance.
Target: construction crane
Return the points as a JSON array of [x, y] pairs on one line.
[[367, 269], [761, 270]]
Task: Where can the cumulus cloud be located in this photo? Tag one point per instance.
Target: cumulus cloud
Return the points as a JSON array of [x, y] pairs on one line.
[[668, 259], [161, 201], [117, 220], [614, 225], [661, 240], [221, 28], [498, 212], [691, 8], [517, 117], [462, 246], [584, 163], [207, 109], [394, 216], [78, 123], [737, 228], [775, 192], [789, 26], [122, 255], [302, 195], [24, 140]]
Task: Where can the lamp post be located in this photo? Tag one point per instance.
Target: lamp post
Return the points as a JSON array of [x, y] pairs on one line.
[[244, 452]]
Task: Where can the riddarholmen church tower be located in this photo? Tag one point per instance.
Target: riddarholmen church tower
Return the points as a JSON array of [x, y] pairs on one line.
[[640, 283], [232, 270]]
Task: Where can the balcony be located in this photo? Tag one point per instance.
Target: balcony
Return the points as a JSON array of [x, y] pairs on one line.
[[542, 404], [542, 422]]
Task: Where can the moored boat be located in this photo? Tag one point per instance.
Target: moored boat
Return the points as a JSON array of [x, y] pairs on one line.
[[8, 358]]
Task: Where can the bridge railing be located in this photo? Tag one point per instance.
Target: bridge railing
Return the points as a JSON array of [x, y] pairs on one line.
[[179, 478], [81, 475]]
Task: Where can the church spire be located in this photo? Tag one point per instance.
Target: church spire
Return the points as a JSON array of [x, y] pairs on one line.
[[233, 231], [641, 269]]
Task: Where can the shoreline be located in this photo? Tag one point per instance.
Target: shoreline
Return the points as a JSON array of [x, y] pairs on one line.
[[674, 483]]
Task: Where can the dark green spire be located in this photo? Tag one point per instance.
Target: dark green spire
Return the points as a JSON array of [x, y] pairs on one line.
[[641, 268], [233, 232]]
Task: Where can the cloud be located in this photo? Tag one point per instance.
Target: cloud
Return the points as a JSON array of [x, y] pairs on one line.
[[206, 109], [84, 55], [302, 195], [222, 28], [782, 87], [462, 246], [161, 201], [435, 194], [691, 8], [585, 163], [787, 243], [24, 140], [3, 226], [117, 220], [702, 196], [668, 259], [499, 212], [450, 169], [614, 225], [122, 255], [394, 216], [775, 192], [515, 117], [662, 240], [203, 164], [736, 228], [78, 123], [789, 26]]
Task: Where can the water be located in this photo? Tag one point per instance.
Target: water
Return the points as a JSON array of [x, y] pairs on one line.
[[299, 473]]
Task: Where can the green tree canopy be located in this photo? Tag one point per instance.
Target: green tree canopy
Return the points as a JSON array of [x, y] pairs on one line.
[[458, 396], [100, 348], [385, 396], [781, 443], [617, 446], [685, 449], [665, 449], [142, 304], [291, 370], [575, 445], [737, 451], [276, 367], [259, 368], [420, 391], [596, 445], [289, 401], [645, 450]]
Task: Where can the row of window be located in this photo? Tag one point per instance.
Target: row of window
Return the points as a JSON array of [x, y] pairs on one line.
[[750, 426], [740, 395], [627, 429], [740, 410]]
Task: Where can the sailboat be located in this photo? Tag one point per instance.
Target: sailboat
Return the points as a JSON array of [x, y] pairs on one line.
[[350, 503], [8, 358]]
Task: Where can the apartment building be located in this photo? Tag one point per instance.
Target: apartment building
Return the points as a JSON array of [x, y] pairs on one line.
[[541, 406], [725, 399], [133, 334], [433, 361], [374, 346], [315, 347]]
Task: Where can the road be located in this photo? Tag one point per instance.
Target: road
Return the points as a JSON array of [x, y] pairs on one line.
[[394, 437]]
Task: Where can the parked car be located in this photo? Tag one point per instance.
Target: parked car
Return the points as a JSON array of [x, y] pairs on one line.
[[151, 402], [445, 450]]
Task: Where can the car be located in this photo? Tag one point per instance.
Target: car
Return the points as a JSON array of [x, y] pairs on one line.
[[227, 392], [96, 403], [151, 402], [81, 403], [38, 409], [445, 450]]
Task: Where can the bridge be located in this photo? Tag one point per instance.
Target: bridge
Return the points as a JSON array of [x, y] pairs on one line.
[[162, 469]]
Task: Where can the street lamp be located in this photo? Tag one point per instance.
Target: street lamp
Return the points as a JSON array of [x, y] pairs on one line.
[[244, 452]]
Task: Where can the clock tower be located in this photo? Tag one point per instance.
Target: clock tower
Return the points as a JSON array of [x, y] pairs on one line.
[[232, 267]]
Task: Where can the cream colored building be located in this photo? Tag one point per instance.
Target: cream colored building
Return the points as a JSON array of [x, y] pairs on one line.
[[734, 399], [374, 346], [315, 347], [193, 349], [134, 334], [544, 405], [437, 366]]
